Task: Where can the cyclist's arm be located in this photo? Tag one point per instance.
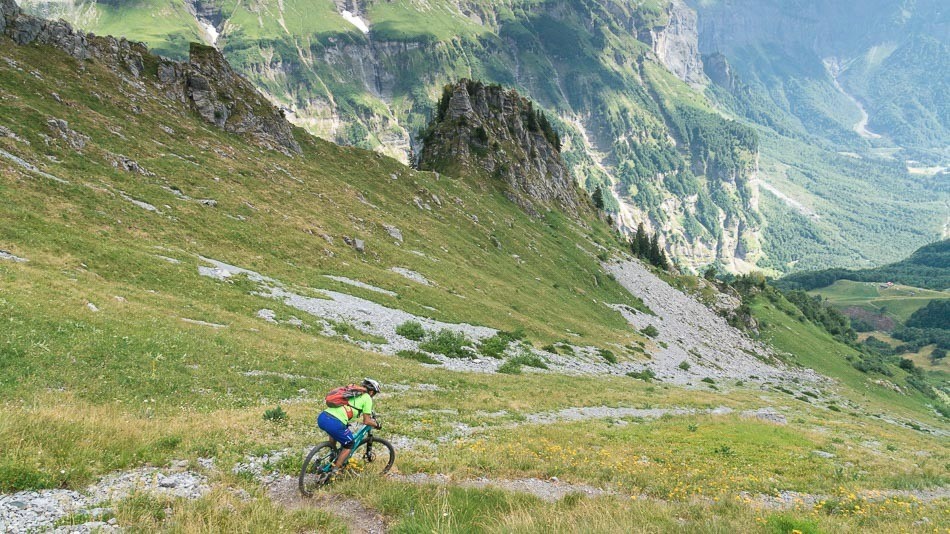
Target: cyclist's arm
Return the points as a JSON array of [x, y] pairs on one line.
[[369, 420]]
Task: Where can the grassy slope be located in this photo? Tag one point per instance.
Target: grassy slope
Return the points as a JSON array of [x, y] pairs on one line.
[[811, 347], [898, 301], [86, 393]]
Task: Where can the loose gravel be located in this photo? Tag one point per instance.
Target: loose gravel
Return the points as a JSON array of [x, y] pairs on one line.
[[692, 333], [31, 511]]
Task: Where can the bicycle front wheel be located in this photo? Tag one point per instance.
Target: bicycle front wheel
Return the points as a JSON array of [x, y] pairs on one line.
[[313, 474], [374, 457]]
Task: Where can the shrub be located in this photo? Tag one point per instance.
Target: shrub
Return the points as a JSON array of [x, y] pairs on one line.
[[650, 331], [566, 348], [937, 354], [275, 415], [510, 368], [494, 346], [411, 330], [448, 343], [549, 348], [708, 380], [420, 357], [692, 427], [607, 355], [647, 375], [531, 360], [684, 365], [905, 364], [724, 450]]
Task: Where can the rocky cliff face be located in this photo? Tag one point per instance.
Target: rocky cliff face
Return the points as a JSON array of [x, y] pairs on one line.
[[677, 43], [206, 82], [487, 130]]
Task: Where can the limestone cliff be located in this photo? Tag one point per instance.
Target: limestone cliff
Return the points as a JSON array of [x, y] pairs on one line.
[[677, 43], [487, 130]]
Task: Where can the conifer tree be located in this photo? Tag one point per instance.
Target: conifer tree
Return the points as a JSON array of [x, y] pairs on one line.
[[598, 198], [641, 242]]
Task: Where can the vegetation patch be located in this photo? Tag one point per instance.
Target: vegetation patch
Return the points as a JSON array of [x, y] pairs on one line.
[[513, 365], [448, 343], [275, 415], [420, 357], [647, 375], [411, 330], [607, 355]]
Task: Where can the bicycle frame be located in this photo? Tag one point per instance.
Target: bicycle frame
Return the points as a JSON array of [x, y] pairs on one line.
[[358, 439]]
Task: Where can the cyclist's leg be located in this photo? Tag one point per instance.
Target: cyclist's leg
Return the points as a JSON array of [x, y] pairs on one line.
[[339, 433]]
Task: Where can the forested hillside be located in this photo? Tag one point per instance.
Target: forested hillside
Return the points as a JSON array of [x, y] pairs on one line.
[[928, 267]]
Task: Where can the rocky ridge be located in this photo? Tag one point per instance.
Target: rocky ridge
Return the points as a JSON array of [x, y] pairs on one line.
[[206, 83], [487, 129]]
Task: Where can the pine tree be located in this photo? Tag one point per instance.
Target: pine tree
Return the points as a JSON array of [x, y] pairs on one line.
[[598, 198], [641, 242], [653, 255]]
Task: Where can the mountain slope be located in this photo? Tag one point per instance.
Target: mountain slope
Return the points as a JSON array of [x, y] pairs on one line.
[[592, 66], [163, 281], [845, 70], [366, 73]]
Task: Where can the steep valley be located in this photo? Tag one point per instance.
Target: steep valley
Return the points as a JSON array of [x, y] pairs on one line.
[[622, 83]]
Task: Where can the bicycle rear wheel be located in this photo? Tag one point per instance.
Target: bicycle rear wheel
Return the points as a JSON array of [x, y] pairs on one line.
[[313, 474], [374, 457]]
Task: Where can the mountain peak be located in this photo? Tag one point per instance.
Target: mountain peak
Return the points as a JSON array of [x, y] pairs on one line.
[[488, 130]]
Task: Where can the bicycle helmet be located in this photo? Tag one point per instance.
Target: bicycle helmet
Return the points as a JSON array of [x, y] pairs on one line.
[[371, 385]]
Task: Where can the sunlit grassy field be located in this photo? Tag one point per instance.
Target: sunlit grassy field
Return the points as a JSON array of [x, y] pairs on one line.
[[85, 392]]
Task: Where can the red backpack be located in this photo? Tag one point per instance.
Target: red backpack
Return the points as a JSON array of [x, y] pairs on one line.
[[341, 396]]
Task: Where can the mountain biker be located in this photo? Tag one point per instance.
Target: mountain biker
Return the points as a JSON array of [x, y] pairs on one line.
[[335, 421]]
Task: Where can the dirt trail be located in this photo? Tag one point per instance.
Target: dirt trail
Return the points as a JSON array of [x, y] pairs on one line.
[[359, 518]]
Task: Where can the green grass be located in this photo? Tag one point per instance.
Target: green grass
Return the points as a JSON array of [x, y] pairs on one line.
[[399, 21], [86, 393], [898, 301], [420, 357], [811, 347]]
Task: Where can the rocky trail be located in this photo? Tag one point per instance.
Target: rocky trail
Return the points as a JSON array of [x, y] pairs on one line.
[[359, 517]]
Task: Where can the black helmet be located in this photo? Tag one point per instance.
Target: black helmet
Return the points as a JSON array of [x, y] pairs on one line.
[[371, 385]]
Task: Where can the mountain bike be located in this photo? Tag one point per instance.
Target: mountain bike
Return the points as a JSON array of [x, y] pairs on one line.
[[371, 456]]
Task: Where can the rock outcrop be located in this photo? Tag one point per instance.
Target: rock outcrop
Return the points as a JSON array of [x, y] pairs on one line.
[[207, 83], [485, 130], [677, 44]]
